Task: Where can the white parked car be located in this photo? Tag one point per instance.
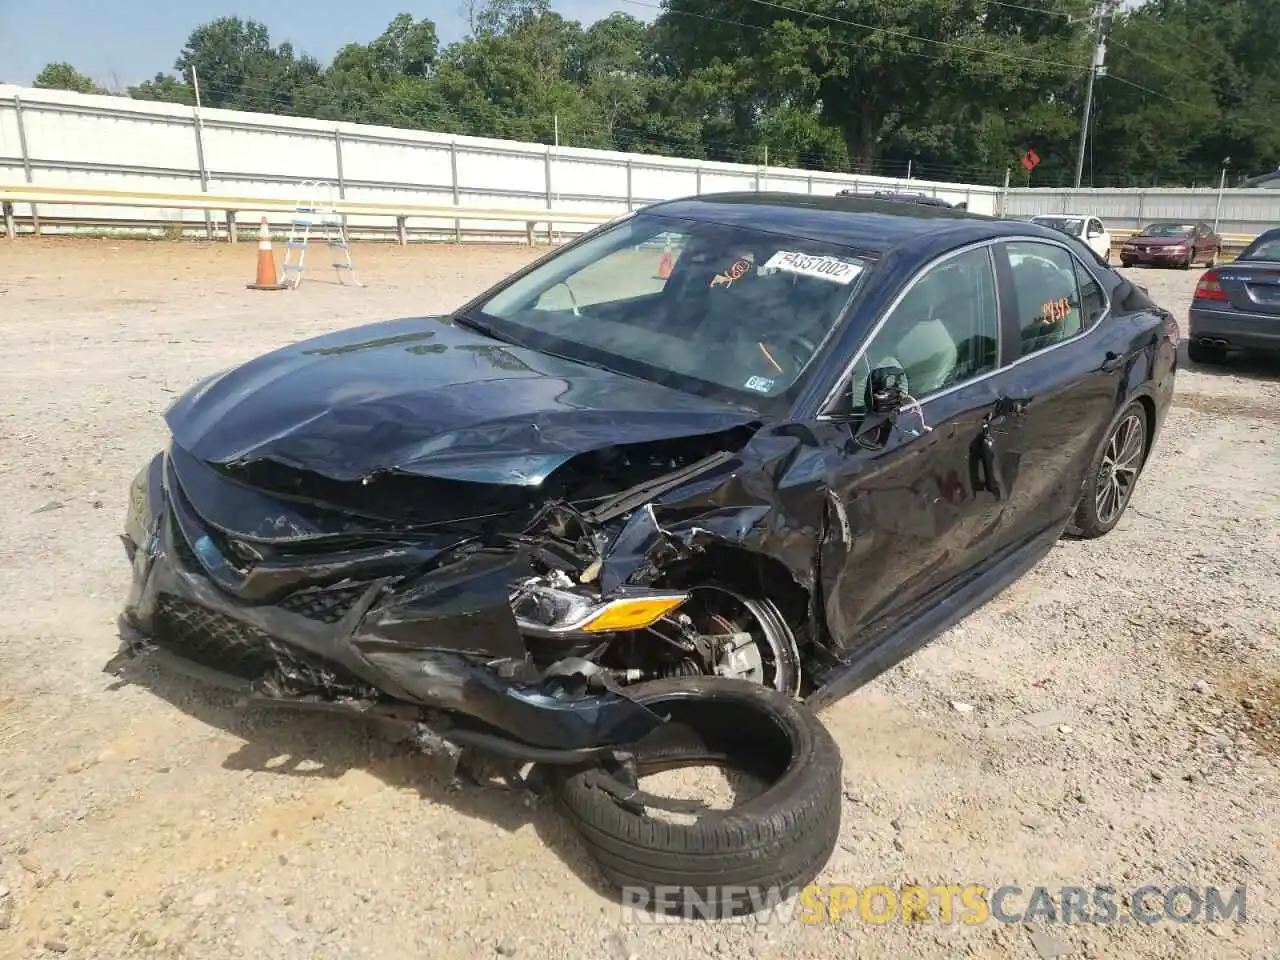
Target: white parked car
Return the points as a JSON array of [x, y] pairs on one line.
[[1089, 230]]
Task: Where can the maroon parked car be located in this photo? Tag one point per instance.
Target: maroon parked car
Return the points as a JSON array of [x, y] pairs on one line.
[[1172, 243]]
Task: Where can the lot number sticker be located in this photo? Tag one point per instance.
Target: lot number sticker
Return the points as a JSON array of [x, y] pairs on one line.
[[832, 269]]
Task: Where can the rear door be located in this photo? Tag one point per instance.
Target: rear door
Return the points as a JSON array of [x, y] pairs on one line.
[[1060, 394]]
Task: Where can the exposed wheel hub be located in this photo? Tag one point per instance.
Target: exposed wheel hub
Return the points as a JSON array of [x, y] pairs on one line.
[[743, 637], [735, 652]]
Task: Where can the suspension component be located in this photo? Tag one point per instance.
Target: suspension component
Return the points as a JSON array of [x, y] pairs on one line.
[[683, 668]]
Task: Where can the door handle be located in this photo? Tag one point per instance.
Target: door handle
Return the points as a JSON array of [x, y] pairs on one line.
[[1007, 407], [991, 478]]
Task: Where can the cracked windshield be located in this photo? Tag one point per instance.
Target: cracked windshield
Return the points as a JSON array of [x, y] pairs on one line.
[[707, 308]]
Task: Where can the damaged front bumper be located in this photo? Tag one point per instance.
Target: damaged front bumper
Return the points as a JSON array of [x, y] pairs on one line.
[[424, 626]]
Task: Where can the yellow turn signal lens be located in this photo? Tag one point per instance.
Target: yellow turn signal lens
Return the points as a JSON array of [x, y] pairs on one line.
[[633, 614]]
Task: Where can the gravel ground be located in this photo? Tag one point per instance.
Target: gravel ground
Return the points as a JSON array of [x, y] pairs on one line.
[[1118, 718]]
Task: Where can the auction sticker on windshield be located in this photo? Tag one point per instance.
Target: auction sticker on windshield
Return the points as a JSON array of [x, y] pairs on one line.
[[807, 265]]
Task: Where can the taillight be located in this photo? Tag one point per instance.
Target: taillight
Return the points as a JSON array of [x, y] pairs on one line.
[[1209, 287]]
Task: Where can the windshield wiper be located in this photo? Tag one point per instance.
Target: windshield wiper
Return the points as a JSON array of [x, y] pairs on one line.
[[470, 320]]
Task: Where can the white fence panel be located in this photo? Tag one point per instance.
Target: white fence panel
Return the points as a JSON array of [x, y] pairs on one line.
[[84, 140], [1244, 212]]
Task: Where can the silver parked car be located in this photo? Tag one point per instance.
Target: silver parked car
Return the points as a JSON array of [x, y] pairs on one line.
[[1237, 305]]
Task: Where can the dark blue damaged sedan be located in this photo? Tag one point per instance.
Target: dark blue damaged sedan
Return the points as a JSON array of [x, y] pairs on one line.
[[773, 437]]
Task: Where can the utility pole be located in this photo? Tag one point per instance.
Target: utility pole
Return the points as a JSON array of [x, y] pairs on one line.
[[1096, 69], [1222, 185], [204, 171]]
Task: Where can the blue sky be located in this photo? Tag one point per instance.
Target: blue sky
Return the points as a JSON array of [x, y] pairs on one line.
[[125, 41]]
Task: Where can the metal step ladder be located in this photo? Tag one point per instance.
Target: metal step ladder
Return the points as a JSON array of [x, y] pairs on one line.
[[315, 207]]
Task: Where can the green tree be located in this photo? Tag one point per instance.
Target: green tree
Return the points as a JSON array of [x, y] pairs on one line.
[[236, 68], [514, 79], [63, 76], [876, 71], [1190, 84], [389, 81], [165, 88], [958, 88]]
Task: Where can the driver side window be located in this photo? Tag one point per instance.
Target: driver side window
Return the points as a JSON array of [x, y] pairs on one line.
[[946, 330]]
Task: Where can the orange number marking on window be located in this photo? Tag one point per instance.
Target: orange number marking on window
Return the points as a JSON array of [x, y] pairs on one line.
[[1053, 311]]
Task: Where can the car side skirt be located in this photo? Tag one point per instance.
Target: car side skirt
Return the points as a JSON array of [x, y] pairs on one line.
[[934, 616]]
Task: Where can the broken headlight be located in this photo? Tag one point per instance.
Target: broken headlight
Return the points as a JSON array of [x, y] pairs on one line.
[[142, 510], [554, 607]]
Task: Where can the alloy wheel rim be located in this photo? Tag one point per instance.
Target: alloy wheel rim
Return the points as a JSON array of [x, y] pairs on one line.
[[1119, 471]]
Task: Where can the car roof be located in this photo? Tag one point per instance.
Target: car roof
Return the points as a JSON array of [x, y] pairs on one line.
[[1265, 181], [902, 197], [1066, 216], [873, 226], [1272, 234]]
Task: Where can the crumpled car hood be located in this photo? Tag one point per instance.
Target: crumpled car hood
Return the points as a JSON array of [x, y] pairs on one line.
[[423, 396]]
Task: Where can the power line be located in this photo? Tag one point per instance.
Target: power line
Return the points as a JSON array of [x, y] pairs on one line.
[[910, 36], [1018, 6], [1154, 93], [842, 41], [1138, 53]]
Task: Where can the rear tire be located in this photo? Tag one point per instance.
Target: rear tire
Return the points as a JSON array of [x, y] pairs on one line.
[[1213, 257], [726, 862], [1113, 475], [1204, 354]]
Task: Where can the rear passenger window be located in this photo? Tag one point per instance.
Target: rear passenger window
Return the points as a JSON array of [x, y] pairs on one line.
[[1047, 294], [1092, 302]]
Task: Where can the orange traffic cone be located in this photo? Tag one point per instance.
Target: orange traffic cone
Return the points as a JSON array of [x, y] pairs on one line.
[[664, 265], [266, 263]]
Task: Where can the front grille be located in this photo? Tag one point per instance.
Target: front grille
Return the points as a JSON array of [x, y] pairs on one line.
[[223, 643], [212, 639], [326, 604]]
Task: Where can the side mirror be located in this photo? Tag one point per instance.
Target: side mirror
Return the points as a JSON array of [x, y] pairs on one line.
[[886, 389]]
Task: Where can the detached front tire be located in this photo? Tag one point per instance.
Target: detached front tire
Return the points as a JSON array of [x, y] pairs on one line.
[[1113, 475], [726, 862]]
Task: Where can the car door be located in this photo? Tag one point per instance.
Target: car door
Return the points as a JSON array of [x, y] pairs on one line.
[[1209, 242], [1059, 394], [908, 509], [1197, 241], [1099, 238]]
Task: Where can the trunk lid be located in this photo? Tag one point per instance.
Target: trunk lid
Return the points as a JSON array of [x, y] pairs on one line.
[[1253, 287]]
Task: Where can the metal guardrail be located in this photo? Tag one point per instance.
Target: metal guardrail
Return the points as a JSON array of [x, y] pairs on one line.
[[232, 205]]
